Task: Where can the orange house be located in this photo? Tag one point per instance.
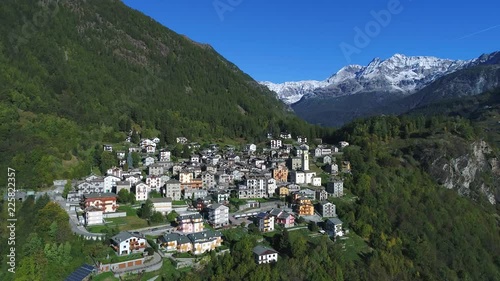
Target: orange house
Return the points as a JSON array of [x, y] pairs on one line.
[[304, 206], [280, 174]]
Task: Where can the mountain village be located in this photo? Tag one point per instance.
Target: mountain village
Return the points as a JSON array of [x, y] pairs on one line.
[[285, 183]]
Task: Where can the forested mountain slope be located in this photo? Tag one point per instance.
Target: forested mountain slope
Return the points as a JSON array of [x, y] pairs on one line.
[[75, 73]]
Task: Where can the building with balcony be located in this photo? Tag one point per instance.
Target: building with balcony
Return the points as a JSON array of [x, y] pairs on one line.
[[106, 202], [190, 223], [125, 243], [218, 215], [304, 207], [265, 222]]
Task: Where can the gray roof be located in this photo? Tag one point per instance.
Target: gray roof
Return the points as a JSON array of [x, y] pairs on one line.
[[122, 183], [334, 221], [275, 212], [124, 235], [160, 200], [172, 181], [181, 239], [190, 216], [284, 215], [215, 206], [204, 236], [99, 195], [263, 250], [262, 215]]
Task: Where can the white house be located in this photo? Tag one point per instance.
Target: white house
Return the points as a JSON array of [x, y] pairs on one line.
[[301, 139], [141, 192], [343, 144], [327, 209], [150, 149], [109, 183], [251, 148], [154, 183], [164, 156], [334, 225], [185, 176], [120, 154], [156, 169], [125, 243], [149, 161], [316, 181], [276, 144], [335, 188], [208, 180], [322, 150], [285, 135], [93, 216], [181, 140], [263, 254], [173, 189], [133, 179], [309, 176], [218, 215], [298, 177], [162, 205], [195, 158], [115, 171], [194, 193], [271, 186]]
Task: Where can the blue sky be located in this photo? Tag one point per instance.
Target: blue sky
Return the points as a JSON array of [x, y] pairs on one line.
[[278, 40]]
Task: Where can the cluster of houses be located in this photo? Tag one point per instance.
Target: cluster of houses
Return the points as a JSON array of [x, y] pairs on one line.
[[210, 177], [190, 236]]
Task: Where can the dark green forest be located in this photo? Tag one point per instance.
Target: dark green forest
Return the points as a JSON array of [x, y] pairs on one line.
[[79, 73], [46, 248]]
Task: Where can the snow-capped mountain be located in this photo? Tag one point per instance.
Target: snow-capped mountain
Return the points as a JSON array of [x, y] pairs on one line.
[[399, 73], [396, 85], [292, 92]]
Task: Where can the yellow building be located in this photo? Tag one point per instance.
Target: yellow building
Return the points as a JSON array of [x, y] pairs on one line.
[[304, 207], [284, 191]]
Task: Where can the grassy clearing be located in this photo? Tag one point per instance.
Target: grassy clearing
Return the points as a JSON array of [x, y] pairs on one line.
[[178, 202], [353, 245], [106, 276], [131, 211], [97, 228], [348, 198]]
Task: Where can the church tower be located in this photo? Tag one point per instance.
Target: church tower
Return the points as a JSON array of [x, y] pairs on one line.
[[305, 160]]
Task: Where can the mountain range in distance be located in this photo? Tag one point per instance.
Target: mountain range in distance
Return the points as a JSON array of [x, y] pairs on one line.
[[391, 86]]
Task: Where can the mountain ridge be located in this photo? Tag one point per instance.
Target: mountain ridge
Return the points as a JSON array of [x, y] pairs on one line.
[[399, 73]]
